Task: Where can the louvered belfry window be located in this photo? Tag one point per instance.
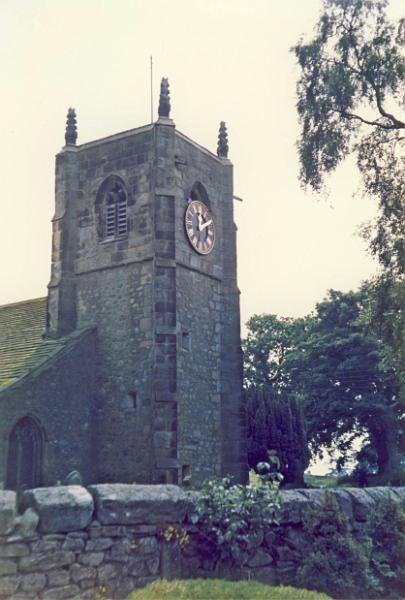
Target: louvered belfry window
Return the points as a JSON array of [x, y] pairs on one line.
[[116, 212]]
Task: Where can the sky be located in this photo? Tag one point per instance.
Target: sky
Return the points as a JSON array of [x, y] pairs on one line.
[[226, 60]]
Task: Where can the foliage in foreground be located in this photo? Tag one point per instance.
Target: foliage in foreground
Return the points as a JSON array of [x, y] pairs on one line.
[[231, 517], [335, 561], [215, 589], [387, 533], [345, 565]]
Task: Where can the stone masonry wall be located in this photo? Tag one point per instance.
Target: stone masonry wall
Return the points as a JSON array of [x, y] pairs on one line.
[[209, 389], [67, 542], [64, 411]]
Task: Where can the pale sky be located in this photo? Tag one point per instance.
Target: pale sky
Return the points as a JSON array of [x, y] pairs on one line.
[[225, 60]]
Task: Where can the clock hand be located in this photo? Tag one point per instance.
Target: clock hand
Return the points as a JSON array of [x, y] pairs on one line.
[[205, 224]]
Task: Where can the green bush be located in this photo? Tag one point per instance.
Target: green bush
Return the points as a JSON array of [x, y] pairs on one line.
[[216, 589], [335, 562], [232, 517], [387, 533]]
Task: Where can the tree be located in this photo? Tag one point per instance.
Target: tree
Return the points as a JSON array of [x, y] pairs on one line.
[[276, 422], [270, 338], [335, 362], [275, 418], [351, 101], [349, 389]]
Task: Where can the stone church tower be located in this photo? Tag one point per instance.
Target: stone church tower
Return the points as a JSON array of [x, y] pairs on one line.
[[144, 254]]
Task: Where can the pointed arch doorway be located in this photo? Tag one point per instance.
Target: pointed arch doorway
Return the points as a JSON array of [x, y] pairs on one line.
[[25, 449]]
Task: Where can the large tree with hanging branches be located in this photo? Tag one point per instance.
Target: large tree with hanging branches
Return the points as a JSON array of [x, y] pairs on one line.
[[351, 101]]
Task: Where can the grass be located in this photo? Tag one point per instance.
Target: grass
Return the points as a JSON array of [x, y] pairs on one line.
[[218, 589], [312, 481], [321, 481]]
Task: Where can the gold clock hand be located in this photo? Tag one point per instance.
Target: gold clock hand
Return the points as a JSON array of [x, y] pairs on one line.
[[206, 224]]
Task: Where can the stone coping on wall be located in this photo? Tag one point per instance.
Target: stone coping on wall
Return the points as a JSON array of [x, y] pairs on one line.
[[69, 541], [69, 508]]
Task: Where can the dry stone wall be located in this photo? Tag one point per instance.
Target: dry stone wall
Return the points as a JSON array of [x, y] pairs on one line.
[[71, 542]]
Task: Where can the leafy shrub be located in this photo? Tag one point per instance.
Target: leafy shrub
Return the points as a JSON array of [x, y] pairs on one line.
[[335, 562], [232, 517], [387, 532], [215, 589]]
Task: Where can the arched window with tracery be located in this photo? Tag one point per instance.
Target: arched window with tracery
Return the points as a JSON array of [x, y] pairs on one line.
[[111, 205], [25, 450]]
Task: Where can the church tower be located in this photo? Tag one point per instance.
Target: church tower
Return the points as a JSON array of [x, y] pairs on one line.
[[144, 252]]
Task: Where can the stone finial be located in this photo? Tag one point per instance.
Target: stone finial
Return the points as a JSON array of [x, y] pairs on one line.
[[164, 98], [71, 128], [222, 150]]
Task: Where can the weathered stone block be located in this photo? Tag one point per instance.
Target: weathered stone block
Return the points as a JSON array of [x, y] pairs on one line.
[[80, 572], [147, 545], [126, 586], [46, 562], [379, 494], [92, 559], [46, 546], [171, 561], [14, 550], [27, 524], [64, 508], [54, 537], [256, 538], [34, 582], [399, 491], [286, 554], [73, 544], [113, 531], [137, 567], [267, 575], [286, 571], [106, 573], [89, 585], [132, 504], [98, 545], [363, 503], [67, 591], [153, 565], [58, 578], [344, 501], [95, 530], [8, 511], [82, 535], [9, 584], [7, 567], [315, 497], [121, 549], [294, 537], [293, 508], [260, 559]]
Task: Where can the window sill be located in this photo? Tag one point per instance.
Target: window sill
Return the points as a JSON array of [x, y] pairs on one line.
[[118, 238]]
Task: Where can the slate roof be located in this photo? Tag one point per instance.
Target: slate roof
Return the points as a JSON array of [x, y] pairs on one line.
[[21, 345]]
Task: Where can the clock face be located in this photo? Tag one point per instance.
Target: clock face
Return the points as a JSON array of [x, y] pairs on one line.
[[199, 227]]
